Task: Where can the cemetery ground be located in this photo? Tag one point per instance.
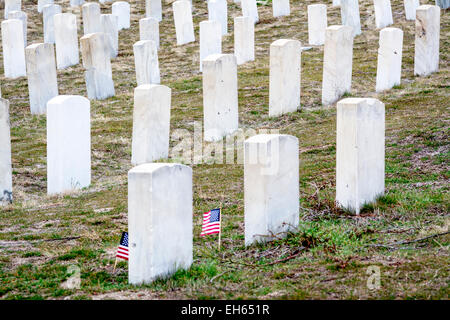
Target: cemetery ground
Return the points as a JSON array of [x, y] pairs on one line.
[[405, 233]]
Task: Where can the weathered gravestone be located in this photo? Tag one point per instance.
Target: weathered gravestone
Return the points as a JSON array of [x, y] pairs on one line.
[[12, 5], [13, 48], [66, 40], [76, 3], [5, 154], [151, 123], [122, 10], [149, 30], [210, 39], [244, 39], [68, 144], [383, 13], [285, 70], [49, 11], [97, 62], [22, 16], [41, 73], [410, 8], [271, 187], [426, 54], [220, 96], [159, 205], [43, 3], [317, 23], [217, 10], [153, 9], [280, 8], [110, 26], [389, 67], [182, 16], [249, 9], [350, 15], [359, 152], [91, 18], [337, 63], [146, 62], [443, 4]]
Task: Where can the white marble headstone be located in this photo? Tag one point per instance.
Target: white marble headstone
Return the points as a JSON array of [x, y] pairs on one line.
[[210, 39], [244, 39], [110, 26], [13, 48], [410, 8], [91, 18], [317, 23], [149, 30], [426, 51], [280, 8], [151, 123], [271, 187], [285, 70], [389, 66], [350, 15], [249, 9], [41, 73], [76, 3], [49, 12], [220, 96], [95, 50], [68, 144], [159, 221], [217, 10], [146, 62], [43, 3], [153, 9], [383, 13], [66, 40], [184, 27], [360, 129], [22, 16], [12, 5], [5, 154], [122, 10], [337, 63]]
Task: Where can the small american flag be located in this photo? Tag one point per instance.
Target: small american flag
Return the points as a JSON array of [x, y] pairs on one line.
[[211, 222], [122, 250]]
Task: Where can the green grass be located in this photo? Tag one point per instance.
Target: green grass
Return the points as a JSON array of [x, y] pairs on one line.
[[329, 255]]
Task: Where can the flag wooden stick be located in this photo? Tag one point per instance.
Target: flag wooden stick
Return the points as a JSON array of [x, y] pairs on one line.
[[115, 264], [220, 224]]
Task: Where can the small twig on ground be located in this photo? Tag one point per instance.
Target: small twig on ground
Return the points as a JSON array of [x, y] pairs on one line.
[[393, 245], [62, 239], [300, 250], [331, 279], [297, 253], [397, 230], [218, 275], [316, 192]]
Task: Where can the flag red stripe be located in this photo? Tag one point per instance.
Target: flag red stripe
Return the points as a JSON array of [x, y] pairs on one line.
[[211, 232], [211, 226], [210, 229]]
